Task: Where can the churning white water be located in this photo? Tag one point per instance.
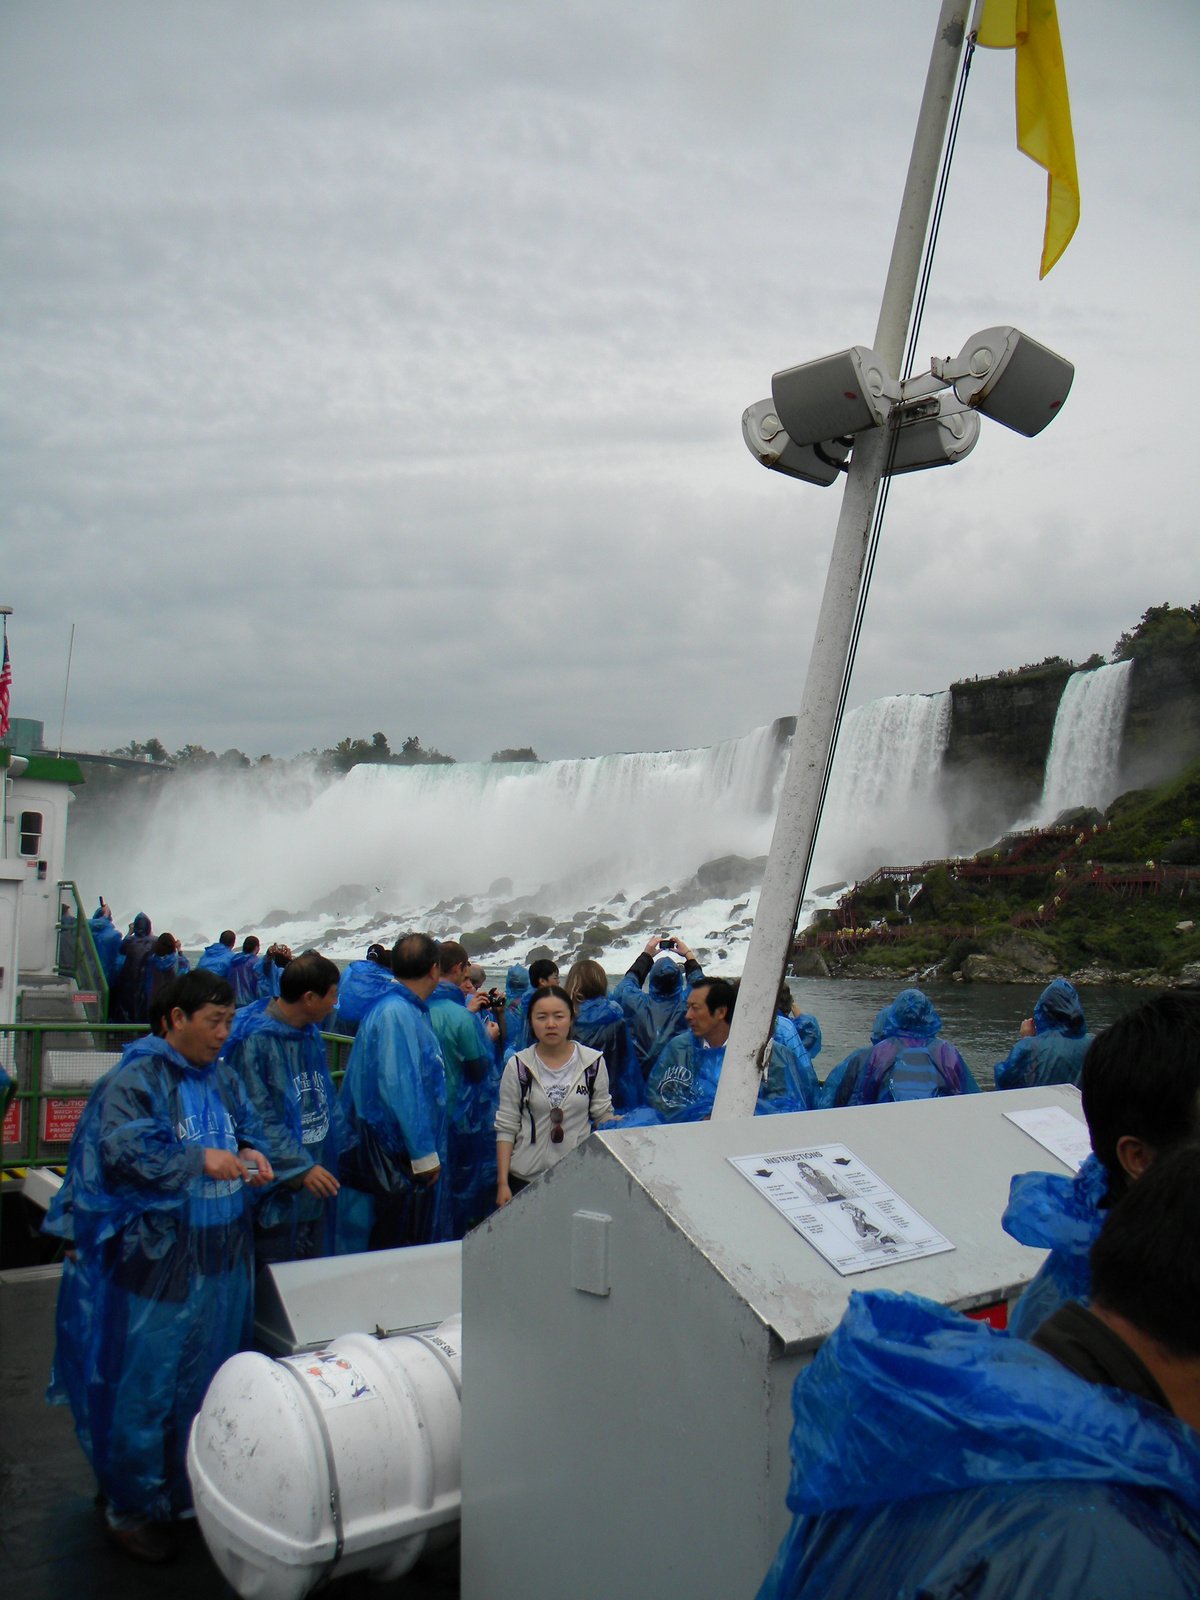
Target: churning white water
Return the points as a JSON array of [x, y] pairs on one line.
[[216, 849], [1085, 749]]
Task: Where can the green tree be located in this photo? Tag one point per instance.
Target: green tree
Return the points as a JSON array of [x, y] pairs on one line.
[[1160, 627]]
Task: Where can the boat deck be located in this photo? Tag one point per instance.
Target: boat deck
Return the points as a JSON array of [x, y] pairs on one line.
[[52, 1539]]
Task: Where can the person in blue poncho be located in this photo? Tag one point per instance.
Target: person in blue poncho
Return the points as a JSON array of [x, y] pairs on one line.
[[683, 1086], [841, 1083], [934, 1456], [467, 1037], [127, 1000], [1052, 1045], [276, 1050], [394, 1097], [910, 1062], [656, 1013], [600, 1024], [218, 957], [166, 964], [809, 1030], [160, 1292], [790, 1038], [516, 987], [107, 940], [363, 982], [543, 973], [1141, 1096]]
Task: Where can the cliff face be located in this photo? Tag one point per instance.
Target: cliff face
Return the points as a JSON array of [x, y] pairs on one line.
[[1162, 727]]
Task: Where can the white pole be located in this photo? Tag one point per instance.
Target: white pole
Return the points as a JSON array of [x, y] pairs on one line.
[[787, 863], [66, 690]]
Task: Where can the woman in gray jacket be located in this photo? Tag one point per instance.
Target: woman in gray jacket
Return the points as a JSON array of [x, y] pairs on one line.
[[551, 1096]]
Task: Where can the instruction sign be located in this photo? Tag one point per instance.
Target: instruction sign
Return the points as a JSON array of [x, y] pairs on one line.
[[333, 1378], [841, 1207], [1056, 1130]]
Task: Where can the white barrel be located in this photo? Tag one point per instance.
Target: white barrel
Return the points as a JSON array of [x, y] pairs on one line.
[[346, 1460]]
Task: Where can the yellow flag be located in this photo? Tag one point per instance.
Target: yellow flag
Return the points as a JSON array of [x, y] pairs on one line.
[[1030, 27]]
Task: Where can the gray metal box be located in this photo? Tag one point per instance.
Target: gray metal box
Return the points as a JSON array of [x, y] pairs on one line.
[[627, 1383]]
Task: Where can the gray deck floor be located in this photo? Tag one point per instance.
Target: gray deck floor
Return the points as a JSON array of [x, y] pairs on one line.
[[52, 1540]]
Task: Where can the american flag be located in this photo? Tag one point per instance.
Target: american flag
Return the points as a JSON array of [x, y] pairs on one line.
[[5, 691]]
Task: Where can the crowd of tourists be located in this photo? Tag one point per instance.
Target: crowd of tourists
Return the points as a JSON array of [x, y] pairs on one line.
[[220, 1146]]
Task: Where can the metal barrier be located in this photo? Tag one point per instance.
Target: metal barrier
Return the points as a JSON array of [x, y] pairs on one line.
[[76, 953], [53, 1082]]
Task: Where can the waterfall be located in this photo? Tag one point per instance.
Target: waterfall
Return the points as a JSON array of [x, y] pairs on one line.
[[1085, 748], [883, 805]]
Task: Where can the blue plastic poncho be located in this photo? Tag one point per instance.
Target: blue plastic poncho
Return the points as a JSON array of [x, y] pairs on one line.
[[161, 970], [107, 941], [216, 958], [472, 1092], [161, 1292], [600, 1024], [254, 977], [362, 983], [1055, 1054], [910, 1062], [683, 1086], [656, 1014], [809, 1030], [394, 1097], [127, 1000], [934, 1456], [1064, 1216], [800, 1074], [843, 1080], [516, 987], [285, 1073]]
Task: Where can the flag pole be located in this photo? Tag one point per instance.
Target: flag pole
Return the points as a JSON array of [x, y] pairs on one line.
[[66, 690], [5, 613], [799, 804]]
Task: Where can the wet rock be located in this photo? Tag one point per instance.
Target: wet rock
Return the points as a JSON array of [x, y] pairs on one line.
[[730, 875], [501, 886], [1189, 978], [810, 964], [496, 927], [537, 927], [540, 952], [344, 899]]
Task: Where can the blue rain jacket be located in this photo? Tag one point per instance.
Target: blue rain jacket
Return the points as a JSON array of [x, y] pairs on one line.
[[162, 969], [656, 1014], [362, 983], [801, 1075], [1055, 1054], [162, 1290], [285, 1073], [472, 1093], [600, 1024], [127, 999], [254, 977], [843, 1080], [809, 1030], [910, 1062], [934, 1456], [394, 1098], [1062, 1215], [107, 940], [683, 1086], [516, 987], [216, 958]]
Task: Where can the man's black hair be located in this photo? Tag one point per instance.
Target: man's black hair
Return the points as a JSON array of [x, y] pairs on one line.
[[161, 1002], [164, 945], [307, 974], [250, 945], [1145, 1265], [1141, 1078], [720, 993], [413, 955], [228, 939], [195, 990], [379, 955], [451, 954], [541, 971]]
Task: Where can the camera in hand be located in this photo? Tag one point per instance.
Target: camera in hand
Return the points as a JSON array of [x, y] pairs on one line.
[[668, 944]]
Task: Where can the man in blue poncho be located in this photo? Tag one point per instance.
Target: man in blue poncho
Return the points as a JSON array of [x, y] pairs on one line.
[[218, 957], [127, 1002], [255, 976], [934, 1456], [472, 1087], [276, 1050], [683, 1086], [160, 1291], [167, 963], [363, 982], [792, 1032], [394, 1097], [107, 941], [910, 1062], [516, 987], [841, 1083], [1141, 1096], [1052, 1045], [656, 1014]]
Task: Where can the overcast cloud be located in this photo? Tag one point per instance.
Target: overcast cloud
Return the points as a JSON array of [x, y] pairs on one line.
[[381, 365]]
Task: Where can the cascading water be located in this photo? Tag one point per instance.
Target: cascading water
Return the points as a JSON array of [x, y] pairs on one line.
[[1085, 749]]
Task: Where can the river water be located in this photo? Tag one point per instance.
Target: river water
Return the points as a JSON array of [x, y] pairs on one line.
[[982, 1019]]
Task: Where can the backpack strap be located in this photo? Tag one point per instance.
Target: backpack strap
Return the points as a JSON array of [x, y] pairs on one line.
[[525, 1082]]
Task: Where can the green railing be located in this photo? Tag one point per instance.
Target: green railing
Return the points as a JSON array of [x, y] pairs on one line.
[[39, 1120], [77, 956]]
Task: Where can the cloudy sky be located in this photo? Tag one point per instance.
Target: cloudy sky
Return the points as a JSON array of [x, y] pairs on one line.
[[381, 364]]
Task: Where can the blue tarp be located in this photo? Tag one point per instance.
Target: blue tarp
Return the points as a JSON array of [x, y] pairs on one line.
[[1064, 1216], [472, 1090], [656, 1014], [286, 1075], [600, 1024], [162, 1290], [361, 984], [936, 1457], [910, 1062], [1055, 1054], [394, 1097]]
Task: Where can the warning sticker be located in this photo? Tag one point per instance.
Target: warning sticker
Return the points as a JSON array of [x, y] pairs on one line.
[[842, 1209], [333, 1378]]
